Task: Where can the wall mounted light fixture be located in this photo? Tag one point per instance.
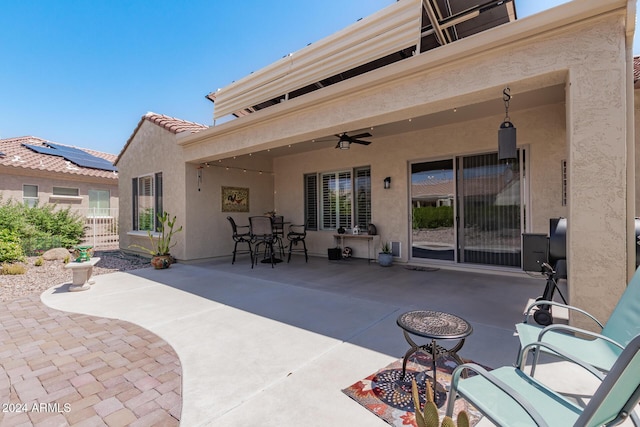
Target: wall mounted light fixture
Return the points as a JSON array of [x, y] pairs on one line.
[[387, 183], [507, 147]]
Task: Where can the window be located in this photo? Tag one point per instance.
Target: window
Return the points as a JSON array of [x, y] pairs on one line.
[[30, 195], [65, 192], [335, 208], [339, 199], [99, 203], [147, 201]]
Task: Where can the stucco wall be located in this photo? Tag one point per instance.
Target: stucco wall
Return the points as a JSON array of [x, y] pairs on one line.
[[636, 116], [153, 150], [209, 233], [206, 231], [13, 180], [540, 130]]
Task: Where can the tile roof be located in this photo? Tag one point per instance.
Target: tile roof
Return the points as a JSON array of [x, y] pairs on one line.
[[19, 156], [172, 124], [169, 123]]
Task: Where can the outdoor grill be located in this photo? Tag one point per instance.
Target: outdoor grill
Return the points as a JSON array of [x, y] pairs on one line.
[[538, 249], [548, 255], [557, 257]]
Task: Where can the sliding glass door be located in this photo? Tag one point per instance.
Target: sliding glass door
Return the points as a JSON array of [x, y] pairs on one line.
[[432, 208], [467, 210], [488, 201]]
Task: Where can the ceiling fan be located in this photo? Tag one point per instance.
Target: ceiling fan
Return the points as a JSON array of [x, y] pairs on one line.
[[344, 140]]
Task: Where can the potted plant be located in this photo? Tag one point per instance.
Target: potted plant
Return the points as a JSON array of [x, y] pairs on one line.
[[161, 244], [385, 257]]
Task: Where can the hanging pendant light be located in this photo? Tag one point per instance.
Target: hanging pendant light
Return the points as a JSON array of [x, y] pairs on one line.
[[507, 148]]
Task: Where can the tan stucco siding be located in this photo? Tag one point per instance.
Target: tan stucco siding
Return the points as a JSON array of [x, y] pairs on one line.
[[636, 116], [153, 150], [209, 232], [598, 172], [541, 132], [14, 178]]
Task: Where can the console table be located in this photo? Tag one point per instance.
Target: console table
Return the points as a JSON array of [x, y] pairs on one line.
[[434, 325], [370, 238]]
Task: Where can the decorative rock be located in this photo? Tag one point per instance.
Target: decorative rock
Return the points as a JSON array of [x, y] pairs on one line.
[[56, 253]]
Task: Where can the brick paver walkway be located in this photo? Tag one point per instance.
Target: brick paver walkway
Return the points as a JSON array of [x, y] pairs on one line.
[[66, 369]]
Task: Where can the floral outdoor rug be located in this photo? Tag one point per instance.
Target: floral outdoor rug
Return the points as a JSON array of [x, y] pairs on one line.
[[387, 395]]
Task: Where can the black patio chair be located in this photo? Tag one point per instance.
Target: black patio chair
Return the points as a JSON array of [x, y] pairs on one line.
[[297, 234], [262, 234], [278, 233], [241, 234]]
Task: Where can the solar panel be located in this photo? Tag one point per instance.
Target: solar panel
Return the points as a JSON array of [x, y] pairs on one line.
[[74, 155], [42, 150]]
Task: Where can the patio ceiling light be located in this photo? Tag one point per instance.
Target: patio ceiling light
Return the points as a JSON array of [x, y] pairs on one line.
[[507, 148]]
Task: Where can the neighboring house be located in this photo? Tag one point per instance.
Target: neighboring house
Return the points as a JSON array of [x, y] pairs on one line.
[[426, 90], [34, 170]]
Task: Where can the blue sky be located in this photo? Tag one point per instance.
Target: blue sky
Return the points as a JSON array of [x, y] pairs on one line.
[[83, 72]]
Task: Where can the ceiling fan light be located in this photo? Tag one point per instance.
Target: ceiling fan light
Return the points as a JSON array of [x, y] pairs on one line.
[[343, 144]]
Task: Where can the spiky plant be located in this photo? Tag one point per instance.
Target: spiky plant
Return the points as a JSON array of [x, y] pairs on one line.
[[428, 417]]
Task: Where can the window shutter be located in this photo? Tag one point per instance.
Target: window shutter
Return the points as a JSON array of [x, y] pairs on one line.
[[344, 199], [329, 207], [311, 201], [134, 203], [158, 200], [363, 197]]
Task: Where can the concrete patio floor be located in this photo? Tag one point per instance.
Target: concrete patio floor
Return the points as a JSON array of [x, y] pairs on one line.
[[277, 345]]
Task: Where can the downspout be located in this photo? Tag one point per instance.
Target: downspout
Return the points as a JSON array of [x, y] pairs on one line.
[[631, 156]]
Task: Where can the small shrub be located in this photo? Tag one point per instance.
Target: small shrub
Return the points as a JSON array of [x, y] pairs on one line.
[[41, 226], [66, 259], [12, 269], [10, 247], [432, 217], [39, 261]]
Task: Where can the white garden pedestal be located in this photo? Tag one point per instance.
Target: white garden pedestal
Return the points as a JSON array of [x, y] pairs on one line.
[[81, 274]]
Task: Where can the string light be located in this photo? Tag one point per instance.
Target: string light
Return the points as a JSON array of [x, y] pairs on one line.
[[260, 172]]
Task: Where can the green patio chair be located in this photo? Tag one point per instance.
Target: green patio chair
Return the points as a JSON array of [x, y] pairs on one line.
[[598, 349], [509, 397]]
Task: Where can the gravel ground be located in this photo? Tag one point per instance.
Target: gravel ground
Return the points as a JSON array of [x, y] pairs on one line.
[[52, 273]]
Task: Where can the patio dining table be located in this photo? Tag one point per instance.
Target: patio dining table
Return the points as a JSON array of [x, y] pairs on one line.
[[276, 260]]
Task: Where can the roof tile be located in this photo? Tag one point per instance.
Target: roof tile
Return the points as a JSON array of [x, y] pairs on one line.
[[174, 125]]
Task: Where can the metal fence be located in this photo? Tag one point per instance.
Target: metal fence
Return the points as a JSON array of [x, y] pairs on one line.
[[101, 227], [35, 246]]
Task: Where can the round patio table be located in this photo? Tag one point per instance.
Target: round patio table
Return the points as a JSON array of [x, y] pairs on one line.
[[434, 325]]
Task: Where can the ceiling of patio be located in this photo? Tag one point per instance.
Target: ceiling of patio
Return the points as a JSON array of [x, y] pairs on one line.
[[520, 101]]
